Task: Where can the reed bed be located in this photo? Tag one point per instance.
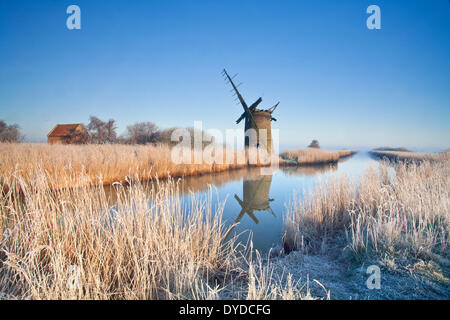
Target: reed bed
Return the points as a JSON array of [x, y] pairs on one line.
[[398, 210], [72, 243], [64, 165], [310, 156], [103, 164], [264, 283], [409, 156]]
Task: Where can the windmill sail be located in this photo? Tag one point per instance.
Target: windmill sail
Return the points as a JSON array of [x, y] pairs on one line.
[[247, 113], [235, 89], [251, 108]]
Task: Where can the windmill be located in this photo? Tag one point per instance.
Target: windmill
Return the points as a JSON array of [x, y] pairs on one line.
[[255, 118]]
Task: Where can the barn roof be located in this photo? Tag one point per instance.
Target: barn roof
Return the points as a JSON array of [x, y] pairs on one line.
[[61, 130]]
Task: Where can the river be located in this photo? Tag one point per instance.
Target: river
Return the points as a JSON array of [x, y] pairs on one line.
[[258, 202]]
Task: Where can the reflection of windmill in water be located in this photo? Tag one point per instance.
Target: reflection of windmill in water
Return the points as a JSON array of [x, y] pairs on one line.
[[255, 198], [256, 119]]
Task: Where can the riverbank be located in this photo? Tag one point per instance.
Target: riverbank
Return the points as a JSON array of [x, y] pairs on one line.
[[313, 156], [76, 165], [407, 156], [397, 220], [68, 166]]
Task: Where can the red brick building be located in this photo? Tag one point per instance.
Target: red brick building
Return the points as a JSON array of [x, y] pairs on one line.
[[68, 133]]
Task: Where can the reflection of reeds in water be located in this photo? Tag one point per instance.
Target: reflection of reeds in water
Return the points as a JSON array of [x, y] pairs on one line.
[[309, 170], [192, 184], [202, 182]]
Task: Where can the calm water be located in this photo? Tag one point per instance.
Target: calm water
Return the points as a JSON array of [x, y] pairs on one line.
[[258, 202]]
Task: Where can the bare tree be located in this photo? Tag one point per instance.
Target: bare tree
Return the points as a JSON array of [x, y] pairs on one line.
[[110, 128], [96, 130], [78, 137], [10, 133], [102, 132], [165, 137], [142, 133]]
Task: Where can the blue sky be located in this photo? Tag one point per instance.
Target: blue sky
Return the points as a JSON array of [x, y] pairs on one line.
[[160, 61]]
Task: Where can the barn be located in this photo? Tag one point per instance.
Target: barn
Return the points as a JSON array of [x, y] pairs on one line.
[[68, 133]]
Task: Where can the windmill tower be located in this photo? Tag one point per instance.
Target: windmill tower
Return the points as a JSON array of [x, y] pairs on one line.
[[257, 119]]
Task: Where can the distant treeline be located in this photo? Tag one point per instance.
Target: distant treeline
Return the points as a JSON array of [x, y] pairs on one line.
[[10, 133], [146, 132], [102, 132]]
